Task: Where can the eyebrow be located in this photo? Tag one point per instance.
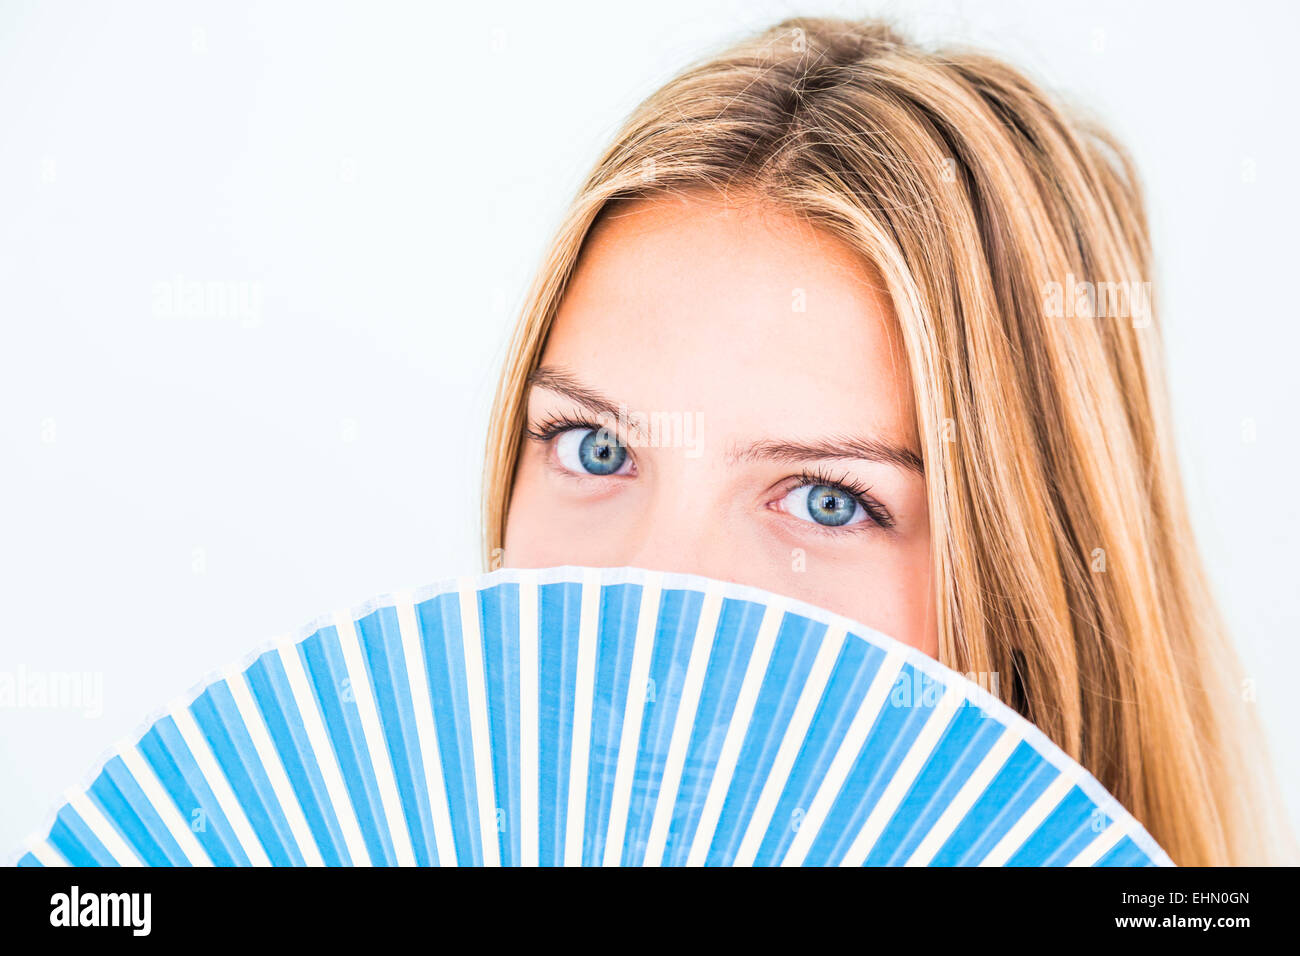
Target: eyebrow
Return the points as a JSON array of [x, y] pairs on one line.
[[844, 448], [562, 383]]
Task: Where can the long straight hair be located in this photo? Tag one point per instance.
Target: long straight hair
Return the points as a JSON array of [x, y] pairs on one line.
[[1012, 239]]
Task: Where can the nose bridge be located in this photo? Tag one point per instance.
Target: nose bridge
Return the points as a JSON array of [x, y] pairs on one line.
[[685, 528]]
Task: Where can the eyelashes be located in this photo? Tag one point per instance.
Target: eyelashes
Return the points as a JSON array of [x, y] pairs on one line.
[[875, 514], [850, 487], [547, 428]]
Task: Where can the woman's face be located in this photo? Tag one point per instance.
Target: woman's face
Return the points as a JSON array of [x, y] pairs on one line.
[[723, 393]]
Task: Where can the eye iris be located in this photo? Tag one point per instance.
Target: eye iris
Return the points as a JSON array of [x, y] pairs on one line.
[[829, 505], [600, 453]]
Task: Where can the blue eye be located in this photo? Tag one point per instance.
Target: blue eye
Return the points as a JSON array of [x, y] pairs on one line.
[[593, 451], [825, 505]]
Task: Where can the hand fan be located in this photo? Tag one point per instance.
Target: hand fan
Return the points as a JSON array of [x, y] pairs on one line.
[[582, 716]]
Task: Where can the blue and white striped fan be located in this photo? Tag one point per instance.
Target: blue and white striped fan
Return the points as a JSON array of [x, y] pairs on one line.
[[579, 716]]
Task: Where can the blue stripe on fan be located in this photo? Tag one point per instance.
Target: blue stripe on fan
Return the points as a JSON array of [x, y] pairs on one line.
[[619, 607], [558, 613], [1069, 828], [444, 653], [126, 807], [269, 685], [1024, 776], [330, 684], [499, 610], [1125, 853], [850, 679], [73, 838], [218, 717], [911, 700], [792, 658], [964, 744], [381, 648], [165, 751], [679, 611], [737, 628]]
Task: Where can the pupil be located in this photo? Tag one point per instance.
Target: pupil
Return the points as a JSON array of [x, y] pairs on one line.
[[600, 453], [829, 506]]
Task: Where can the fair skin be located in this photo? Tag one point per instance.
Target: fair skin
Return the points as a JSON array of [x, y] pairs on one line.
[[766, 353]]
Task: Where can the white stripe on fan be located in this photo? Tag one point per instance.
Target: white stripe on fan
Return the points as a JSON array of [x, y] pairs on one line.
[[791, 742], [479, 731], [633, 711], [1029, 821], [163, 805], [965, 798], [580, 738], [1103, 844], [376, 745], [215, 777], [326, 759], [426, 730], [737, 728], [275, 772], [845, 757], [90, 814], [46, 853], [902, 779], [670, 782], [529, 780]]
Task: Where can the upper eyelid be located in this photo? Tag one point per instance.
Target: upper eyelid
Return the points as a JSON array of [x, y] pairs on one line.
[[805, 480], [555, 424], [878, 513]]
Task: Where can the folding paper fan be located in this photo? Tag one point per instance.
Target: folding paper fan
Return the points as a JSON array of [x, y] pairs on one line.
[[581, 716]]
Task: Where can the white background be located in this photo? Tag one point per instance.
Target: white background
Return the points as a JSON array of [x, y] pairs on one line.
[[177, 488]]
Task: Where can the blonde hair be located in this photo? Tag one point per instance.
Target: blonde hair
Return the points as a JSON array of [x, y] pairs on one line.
[[1062, 549]]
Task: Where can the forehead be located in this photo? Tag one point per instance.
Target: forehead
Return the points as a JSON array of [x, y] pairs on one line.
[[742, 312]]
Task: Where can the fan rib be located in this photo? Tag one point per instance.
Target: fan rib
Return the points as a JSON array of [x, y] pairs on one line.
[[970, 791], [791, 743], [1105, 841], [381, 761], [163, 805], [313, 723], [844, 758], [737, 729], [529, 776], [1029, 821], [634, 712], [426, 731], [903, 778], [104, 831], [575, 818], [684, 724], [215, 777], [480, 739]]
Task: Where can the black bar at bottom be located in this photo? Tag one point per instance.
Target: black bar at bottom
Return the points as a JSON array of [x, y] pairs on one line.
[[631, 908]]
